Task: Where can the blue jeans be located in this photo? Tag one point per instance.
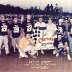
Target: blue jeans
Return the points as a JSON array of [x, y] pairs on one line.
[[70, 43], [61, 51]]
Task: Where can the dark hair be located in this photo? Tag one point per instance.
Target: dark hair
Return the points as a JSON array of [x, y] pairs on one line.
[[15, 17]]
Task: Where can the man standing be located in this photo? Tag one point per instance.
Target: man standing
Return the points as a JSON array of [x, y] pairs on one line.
[[40, 28], [70, 34], [61, 28], [4, 30], [66, 20], [15, 28], [28, 25]]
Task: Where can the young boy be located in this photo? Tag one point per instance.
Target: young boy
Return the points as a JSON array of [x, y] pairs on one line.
[[26, 45], [61, 46]]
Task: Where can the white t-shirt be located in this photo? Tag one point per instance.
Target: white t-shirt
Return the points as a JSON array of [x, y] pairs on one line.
[[51, 28]]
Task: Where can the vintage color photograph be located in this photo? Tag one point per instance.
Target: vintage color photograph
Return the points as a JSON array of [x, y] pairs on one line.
[[35, 36]]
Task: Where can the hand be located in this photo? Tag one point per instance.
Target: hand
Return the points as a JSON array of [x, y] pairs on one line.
[[52, 36], [22, 35], [33, 44], [43, 35], [11, 37]]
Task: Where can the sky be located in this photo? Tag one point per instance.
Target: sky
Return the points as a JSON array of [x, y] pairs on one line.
[[66, 4]]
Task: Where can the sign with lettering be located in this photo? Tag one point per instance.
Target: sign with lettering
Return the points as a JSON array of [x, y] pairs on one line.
[[45, 43]]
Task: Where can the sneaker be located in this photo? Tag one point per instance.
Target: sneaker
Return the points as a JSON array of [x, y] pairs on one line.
[[42, 52], [0, 52], [54, 52], [25, 56], [33, 56], [68, 57], [14, 50], [57, 54], [8, 54], [21, 55]]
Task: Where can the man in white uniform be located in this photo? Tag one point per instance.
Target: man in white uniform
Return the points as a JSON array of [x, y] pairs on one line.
[[40, 27]]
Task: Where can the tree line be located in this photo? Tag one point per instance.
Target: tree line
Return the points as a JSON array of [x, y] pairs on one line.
[[48, 10]]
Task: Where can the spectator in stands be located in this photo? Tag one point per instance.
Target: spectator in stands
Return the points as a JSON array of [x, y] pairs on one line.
[[51, 9], [66, 25], [22, 18]]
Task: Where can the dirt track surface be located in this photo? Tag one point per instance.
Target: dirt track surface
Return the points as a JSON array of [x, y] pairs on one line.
[[43, 63]]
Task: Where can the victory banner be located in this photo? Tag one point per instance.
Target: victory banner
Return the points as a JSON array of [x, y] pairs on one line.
[[45, 43]]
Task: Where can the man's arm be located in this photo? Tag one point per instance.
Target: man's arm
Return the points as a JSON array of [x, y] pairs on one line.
[[55, 29], [10, 32], [32, 42], [68, 31]]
